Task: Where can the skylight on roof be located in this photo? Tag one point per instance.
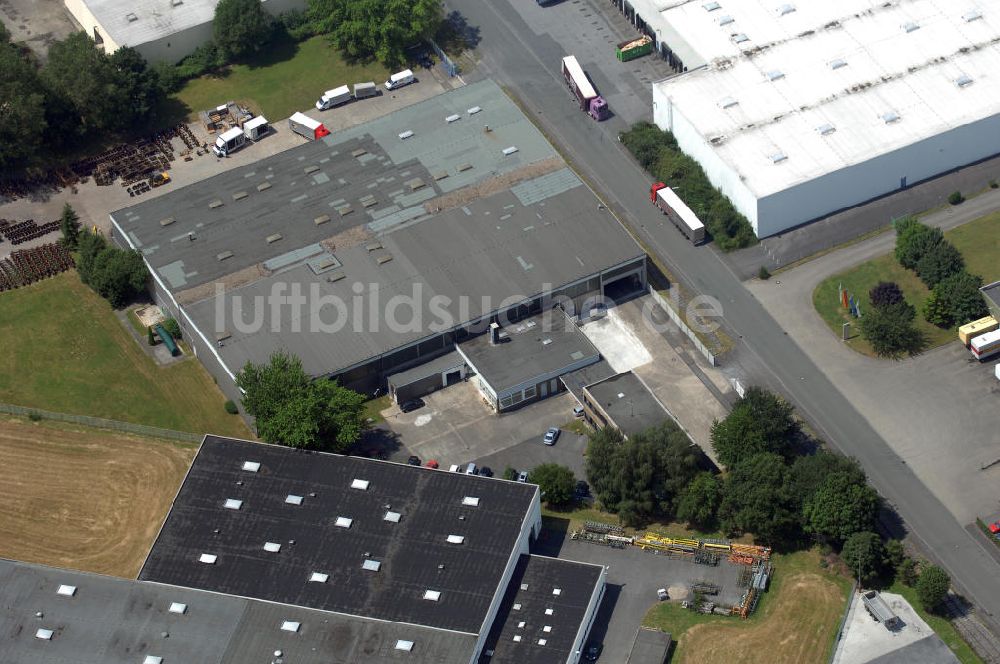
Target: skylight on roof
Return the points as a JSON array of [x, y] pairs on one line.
[[972, 15], [152, 659], [233, 504], [471, 501], [547, 629], [910, 26], [208, 558], [403, 644], [557, 591], [68, 591], [963, 81], [549, 612], [44, 634], [432, 595], [178, 607], [542, 642], [319, 577], [456, 539], [517, 607], [711, 6], [292, 499], [775, 74], [725, 19], [740, 37], [777, 157], [360, 484], [391, 516], [727, 102], [343, 522], [371, 565], [889, 117], [825, 129], [517, 638], [290, 626], [251, 466], [784, 10], [131, 17], [273, 547], [838, 63]]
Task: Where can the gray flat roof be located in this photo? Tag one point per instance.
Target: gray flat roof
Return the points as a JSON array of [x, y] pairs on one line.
[[531, 593], [435, 366], [650, 647], [628, 402], [575, 381], [992, 293], [136, 22], [537, 346], [116, 621], [465, 262], [928, 650], [413, 551]]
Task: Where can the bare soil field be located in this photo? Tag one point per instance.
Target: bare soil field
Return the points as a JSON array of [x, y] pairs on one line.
[[84, 499]]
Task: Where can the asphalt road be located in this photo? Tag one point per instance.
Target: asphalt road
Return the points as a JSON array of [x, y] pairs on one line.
[[528, 66]]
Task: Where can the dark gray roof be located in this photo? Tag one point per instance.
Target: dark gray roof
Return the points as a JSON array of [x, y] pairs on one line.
[[929, 650], [414, 553], [650, 647], [992, 293], [575, 381], [545, 344], [531, 592], [444, 363], [117, 621], [628, 402]]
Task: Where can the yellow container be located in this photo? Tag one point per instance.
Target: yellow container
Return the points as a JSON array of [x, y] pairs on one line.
[[969, 331]]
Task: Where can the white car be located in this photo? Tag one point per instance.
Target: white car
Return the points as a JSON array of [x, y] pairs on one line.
[[551, 436]]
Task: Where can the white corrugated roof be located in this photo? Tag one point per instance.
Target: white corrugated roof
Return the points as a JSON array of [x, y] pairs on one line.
[[859, 78], [153, 19]]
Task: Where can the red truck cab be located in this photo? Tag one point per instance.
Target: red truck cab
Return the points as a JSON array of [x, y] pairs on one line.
[[653, 189]]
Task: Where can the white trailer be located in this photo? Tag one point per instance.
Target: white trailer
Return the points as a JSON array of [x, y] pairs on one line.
[[362, 90], [256, 128], [334, 97], [677, 211], [985, 345], [305, 126]]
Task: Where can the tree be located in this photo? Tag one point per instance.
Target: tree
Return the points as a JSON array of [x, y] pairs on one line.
[[118, 275], [173, 327], [939, 262], [291, 409], [885, 293], [907, 572], [89, 245], [760, 422], [936, 311], [864, 554], [379, 29], [69, 224], [895, 554], [644, 475], [913, 240], [960, 297], [241, 27], [756, 500], [932, 586], [84, 77], [808, 473], [700, 500], [890, 330], [841, 507], [557, 483], [138, 84], [22, 112]]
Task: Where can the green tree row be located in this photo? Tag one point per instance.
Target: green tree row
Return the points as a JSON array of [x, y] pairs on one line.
[[117, 275]]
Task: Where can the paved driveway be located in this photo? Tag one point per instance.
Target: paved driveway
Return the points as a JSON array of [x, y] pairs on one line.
[[568, 451]]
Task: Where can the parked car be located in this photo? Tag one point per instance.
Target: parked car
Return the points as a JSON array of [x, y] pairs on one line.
[[593, 651], [522, 476], [582, 489], [414, 461], [577, 411], [486, 471], [471, 469], [551, 436], [995, 528], [411, 405], [433, 464]]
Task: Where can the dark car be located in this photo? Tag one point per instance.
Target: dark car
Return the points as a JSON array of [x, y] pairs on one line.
[[593, 651], [414, 461], [582, 489], [411, 405], [486, 471]]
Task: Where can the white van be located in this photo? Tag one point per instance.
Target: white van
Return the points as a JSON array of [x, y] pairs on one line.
[[334, 97], [399, 79]]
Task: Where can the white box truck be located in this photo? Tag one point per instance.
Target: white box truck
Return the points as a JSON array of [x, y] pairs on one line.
[[362, 90], [229, 141], [305, 126], [256, 128], [399, 79], [334, 97]]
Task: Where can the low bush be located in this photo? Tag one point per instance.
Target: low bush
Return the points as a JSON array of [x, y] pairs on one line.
[[955, 197], [231, 407], [171, 325]]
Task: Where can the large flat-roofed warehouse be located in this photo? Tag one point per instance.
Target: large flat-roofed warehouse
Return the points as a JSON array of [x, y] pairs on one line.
[[411, 547], [796, 110], [402, 235]]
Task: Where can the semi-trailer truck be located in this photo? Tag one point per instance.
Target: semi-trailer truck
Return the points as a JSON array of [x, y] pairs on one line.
[[590, 102], [686, 221], [985, 345]]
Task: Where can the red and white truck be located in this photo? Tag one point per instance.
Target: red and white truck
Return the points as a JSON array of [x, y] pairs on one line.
[[985, 345], [580, 85], [683, 218]]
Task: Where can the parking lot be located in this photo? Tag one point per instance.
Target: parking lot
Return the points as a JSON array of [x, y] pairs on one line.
[[37, 23]]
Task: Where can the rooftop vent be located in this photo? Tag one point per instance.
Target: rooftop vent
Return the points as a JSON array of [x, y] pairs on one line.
[[391, 516], [360, 484], [456, 539], [403, 644], [318, 577], [725, 19], [473, 110], [233, 504], [547, 629], [405, 135], [152, 659], [524, 586], [68, 591], [208, 558], [739, 38], [176, 3], [178, 607], [452, 118], [44, 634], [546, 342], [292, 499], [711, 6], [251, 466], [838, 63], [471, 501], [784, 10], [509, 151], [889, 117], [290, 626], [972, 15], [549, 612], [432, 595], [273, 547], [517, 638], [371, 565], [517, 607], [774, 75], [909, 26], [557, 591], [542, 642], [727, 102], [343, 522], [963, 81], [521, 624], [825, 129], [777, 157], [131, 18]]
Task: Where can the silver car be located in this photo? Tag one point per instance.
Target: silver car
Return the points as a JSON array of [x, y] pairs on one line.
[[551, 436]]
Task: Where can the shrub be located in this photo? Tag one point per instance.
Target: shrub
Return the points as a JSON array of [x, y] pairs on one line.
[[555, 482], [885, 294], [150, 339], [932, 587], [993, 184], [955, 197], [231, 407], [890, 330], [168, 77], [172, 326], [297, 25], [956, 300], [939, 262], [509, 473], [763, 273], [203, 59], [864, 554], [34, 417], [913, 240], [907, 572]]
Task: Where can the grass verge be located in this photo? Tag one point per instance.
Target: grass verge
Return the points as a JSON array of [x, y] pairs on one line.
[[64, 350], [374, 408], [941, 626], [287, 77]]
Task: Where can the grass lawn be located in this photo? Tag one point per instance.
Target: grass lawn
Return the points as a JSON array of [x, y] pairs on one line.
[[979, 243], [374, 408], [64, 350], [288, 77], [941, 626], [796, 620]]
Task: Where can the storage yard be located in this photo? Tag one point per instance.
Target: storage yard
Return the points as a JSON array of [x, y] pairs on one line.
[[82, 498]]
